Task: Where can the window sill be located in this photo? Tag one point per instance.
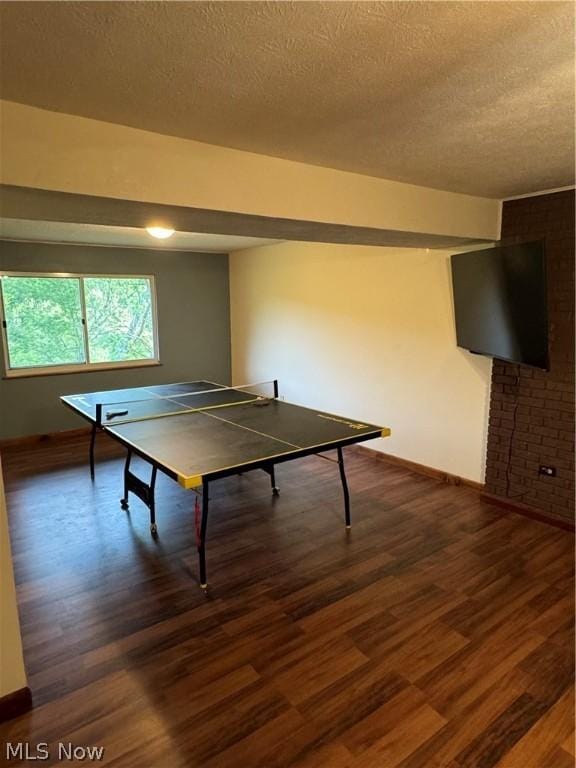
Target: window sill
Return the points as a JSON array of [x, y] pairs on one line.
[[64, 370]]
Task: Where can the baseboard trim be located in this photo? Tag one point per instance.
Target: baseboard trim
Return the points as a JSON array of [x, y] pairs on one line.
[[524, 509], [421, 469], [446, 477], [28, 440], [15, 704]]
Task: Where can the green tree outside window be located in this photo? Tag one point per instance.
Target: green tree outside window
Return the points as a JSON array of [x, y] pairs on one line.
[[44, 316]]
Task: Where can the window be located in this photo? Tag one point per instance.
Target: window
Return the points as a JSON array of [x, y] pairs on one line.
[[62, 323]]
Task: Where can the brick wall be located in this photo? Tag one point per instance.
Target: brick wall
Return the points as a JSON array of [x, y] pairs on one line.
[[531, 411]]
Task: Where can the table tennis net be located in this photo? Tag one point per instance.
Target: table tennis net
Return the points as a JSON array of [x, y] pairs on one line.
[[154, 406]]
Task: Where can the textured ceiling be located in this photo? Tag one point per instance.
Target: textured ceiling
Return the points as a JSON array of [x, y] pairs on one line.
[[474, 97], [131, 237]]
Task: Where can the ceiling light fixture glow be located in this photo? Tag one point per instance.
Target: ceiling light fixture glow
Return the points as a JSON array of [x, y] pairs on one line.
[[161, 233]]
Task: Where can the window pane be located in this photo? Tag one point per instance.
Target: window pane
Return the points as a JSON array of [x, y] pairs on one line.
[[119, 315], [43, 321]]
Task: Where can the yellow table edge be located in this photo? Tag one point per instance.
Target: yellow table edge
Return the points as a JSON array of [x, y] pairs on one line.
[[195, 481]]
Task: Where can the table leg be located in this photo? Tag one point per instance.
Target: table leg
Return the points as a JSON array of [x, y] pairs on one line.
[[202, 537], [272, 473], [152, 499], [344, 487], [92, 444], [124, 500]]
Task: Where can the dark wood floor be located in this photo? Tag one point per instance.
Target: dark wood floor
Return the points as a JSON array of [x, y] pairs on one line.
[[437, 633]]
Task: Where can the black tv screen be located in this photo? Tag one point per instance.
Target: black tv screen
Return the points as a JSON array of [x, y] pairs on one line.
[[500, 303]]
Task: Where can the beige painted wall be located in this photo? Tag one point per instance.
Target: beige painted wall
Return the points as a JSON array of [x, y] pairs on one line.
[[367, 332], [55, 151], [12, 673]]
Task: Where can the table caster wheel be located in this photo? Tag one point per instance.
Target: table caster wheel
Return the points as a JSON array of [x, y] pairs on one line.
[[153, 529], [204, 586], [275, 491], [124, 503]]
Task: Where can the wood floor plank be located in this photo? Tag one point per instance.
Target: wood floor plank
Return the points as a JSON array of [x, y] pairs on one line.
[[569, 744], [384, 632], [409, 729], [425, 651], [274, 744], [549, 667], [502, 734], [379, 730], [312, 673], [437, 633], [558, 758], [481, 664], [470, 724], [540, 744], [350, 700]]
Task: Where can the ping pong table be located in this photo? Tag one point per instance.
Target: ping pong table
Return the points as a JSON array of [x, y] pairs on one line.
[[198, 431]]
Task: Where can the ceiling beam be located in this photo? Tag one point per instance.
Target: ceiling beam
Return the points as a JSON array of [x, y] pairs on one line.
[[46, 205]]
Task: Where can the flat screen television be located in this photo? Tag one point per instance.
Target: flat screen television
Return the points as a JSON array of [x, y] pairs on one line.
[[500, 303]]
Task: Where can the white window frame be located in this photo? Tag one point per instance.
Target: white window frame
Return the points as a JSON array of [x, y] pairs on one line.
[[87, 366]]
